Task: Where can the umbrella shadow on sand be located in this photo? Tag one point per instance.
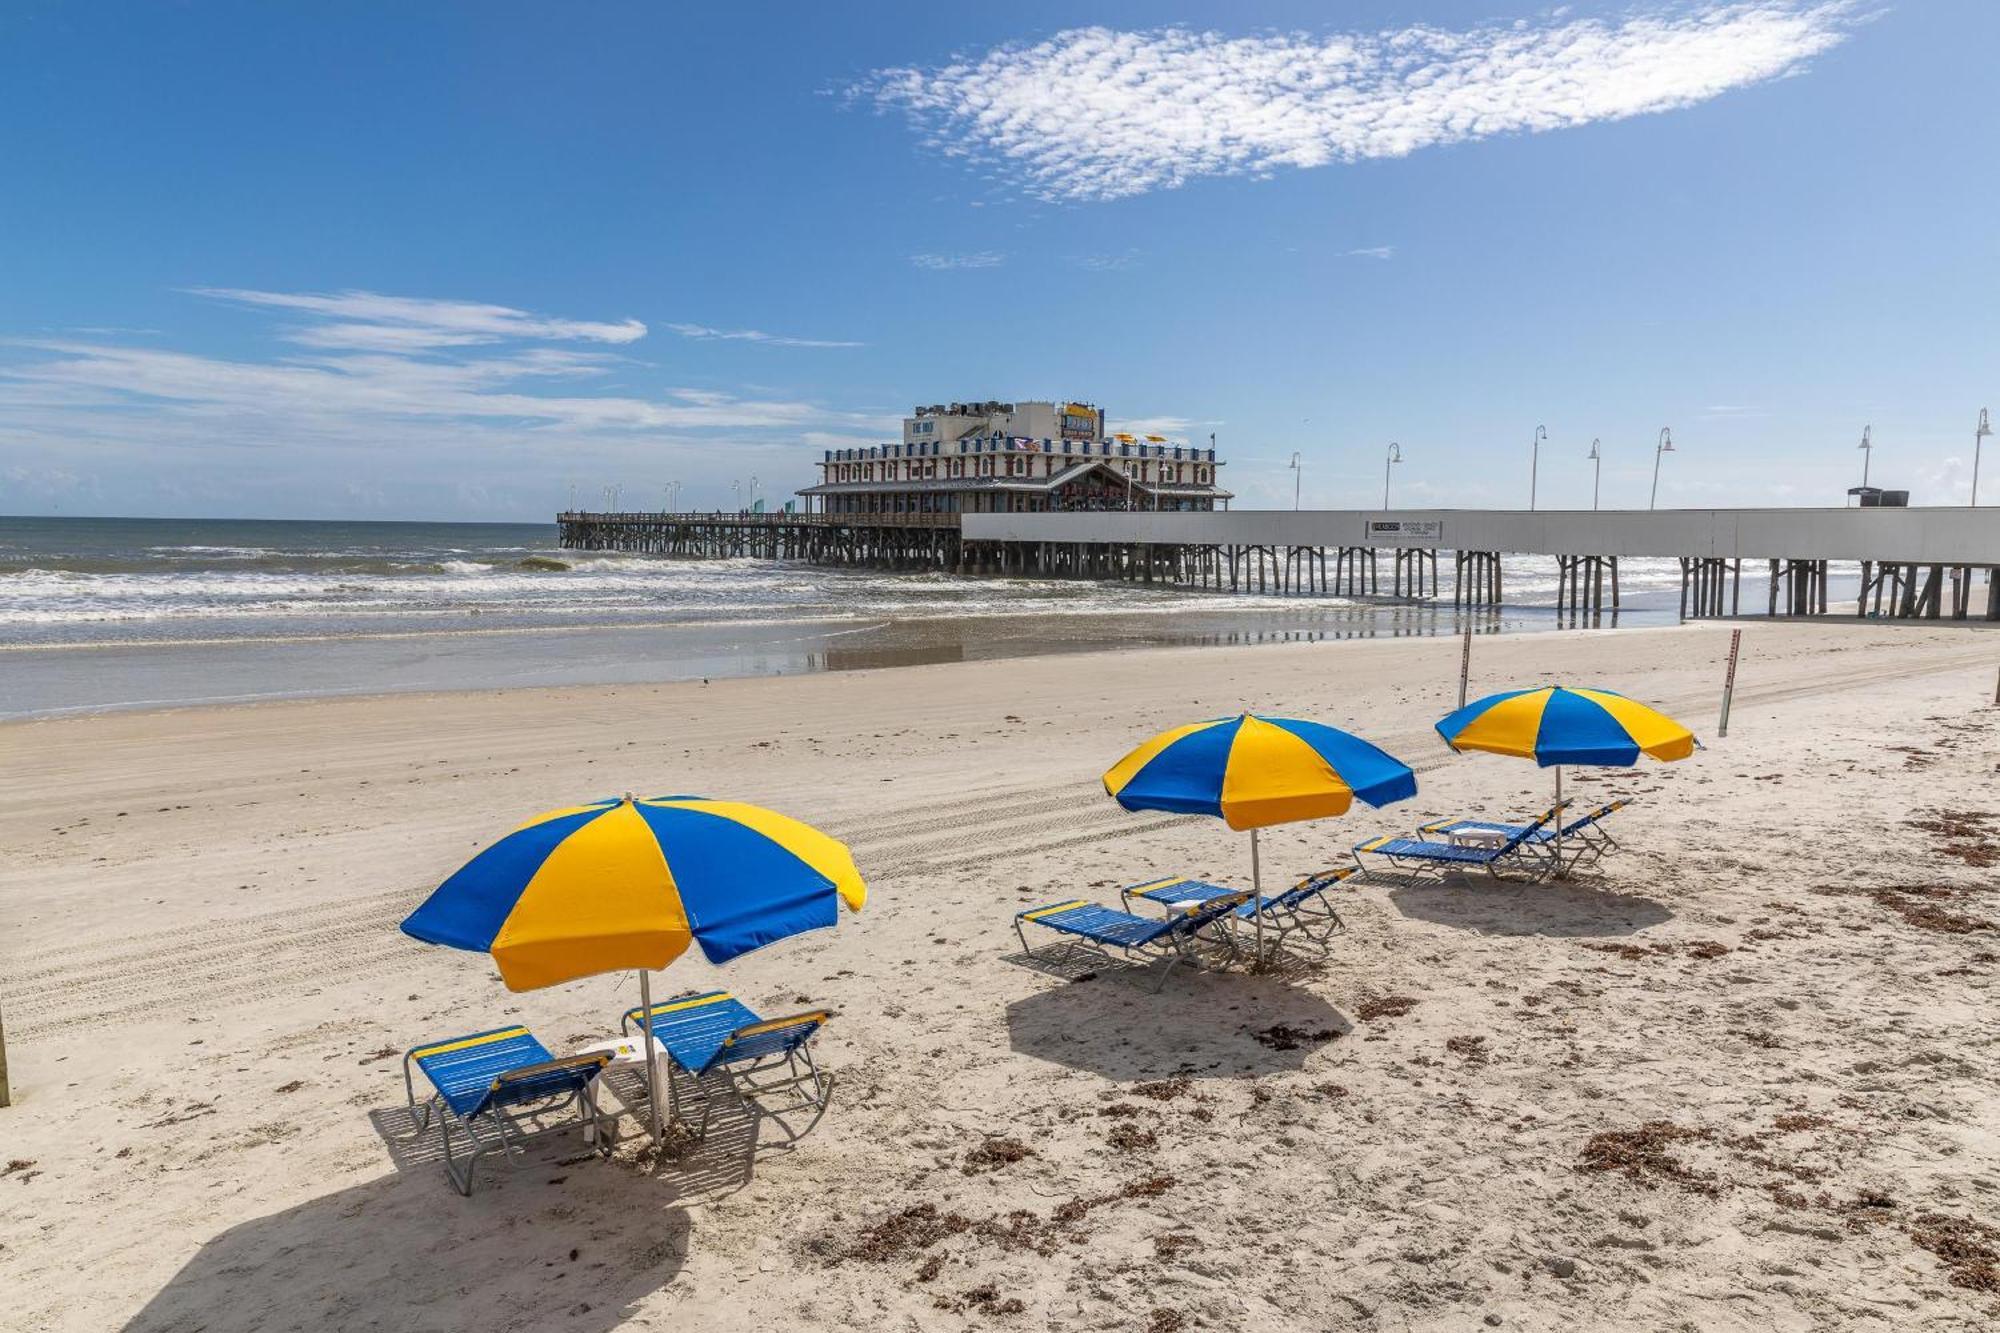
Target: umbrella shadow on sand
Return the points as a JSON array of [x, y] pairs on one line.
[[1204, 1025], [1564, 908], [575, 1243]]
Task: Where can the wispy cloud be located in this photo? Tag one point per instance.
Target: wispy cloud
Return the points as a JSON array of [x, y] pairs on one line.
[[977, 259], [704, 333], [476, 393], [405, 323], [1181, 430], [1095, 113], [1107, 262], [1371, 252]]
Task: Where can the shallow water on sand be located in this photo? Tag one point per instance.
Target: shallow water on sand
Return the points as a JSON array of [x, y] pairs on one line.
[[111, 613]]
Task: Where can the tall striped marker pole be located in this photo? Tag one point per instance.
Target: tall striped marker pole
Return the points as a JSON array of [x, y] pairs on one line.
[[1729, 682]]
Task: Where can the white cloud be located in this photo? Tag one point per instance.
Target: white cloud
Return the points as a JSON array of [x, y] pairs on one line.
[[1180, 430], [1371, 252], [977, 259], [405, 323], [470, 396], [702, 332], [1107, 262], [1095, 113]]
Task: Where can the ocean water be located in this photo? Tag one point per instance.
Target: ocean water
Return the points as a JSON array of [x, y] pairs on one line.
[[105, 613]]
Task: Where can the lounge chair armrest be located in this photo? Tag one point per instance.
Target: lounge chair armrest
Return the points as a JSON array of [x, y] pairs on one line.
[[562, 1064], [1196, 915], [814, 1017]]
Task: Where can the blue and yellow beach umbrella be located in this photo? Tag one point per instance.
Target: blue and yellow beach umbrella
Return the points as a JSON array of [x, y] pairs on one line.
[[1557, 725], [630, 884], [1252, 772]]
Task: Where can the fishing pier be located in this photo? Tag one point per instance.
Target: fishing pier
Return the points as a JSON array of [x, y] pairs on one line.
[[1932, 563]]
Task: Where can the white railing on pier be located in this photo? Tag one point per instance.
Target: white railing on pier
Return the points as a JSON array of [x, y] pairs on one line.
[[1937, 535]]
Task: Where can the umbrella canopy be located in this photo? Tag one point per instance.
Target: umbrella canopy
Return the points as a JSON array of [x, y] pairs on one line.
[[1557, 725], [1252, 772], [630, 884]]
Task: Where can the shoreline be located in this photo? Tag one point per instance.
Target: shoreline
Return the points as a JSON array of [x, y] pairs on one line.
[[45, 681]]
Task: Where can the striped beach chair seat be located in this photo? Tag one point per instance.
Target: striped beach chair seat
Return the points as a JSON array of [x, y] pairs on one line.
[[502, 1089], [714, 1033], [1125, 936]]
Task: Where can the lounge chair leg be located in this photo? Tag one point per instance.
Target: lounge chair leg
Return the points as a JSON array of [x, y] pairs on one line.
[[461, 1178]]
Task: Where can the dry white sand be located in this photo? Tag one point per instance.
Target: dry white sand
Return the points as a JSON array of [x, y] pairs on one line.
[[1791, 966]]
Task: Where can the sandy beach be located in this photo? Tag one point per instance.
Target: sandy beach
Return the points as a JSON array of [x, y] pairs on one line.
[[1740, 1076]]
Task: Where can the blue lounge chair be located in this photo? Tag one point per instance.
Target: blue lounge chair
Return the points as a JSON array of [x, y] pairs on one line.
[[1305, 908], [1584, 839], [714, 1033], [1418, 855], [503, 1088], [1146, 940]]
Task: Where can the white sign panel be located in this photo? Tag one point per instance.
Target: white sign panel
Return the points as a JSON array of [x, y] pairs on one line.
[[1425, 530]]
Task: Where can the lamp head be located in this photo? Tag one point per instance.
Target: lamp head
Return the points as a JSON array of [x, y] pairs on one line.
[[1541, 432], [1395, 453], [1593, 454], [1985, 427], [1867, 438]]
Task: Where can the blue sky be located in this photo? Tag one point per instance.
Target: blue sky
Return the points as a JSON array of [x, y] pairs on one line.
[[450, 260]]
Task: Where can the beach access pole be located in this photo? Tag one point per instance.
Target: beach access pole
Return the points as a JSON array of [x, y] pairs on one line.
[[1979, 434], [1534, 464], [1465, 662], [1729, 683], [652, 1056], [6, 1096]]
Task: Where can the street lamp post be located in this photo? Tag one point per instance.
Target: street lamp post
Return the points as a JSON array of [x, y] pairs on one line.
[[1983, 430], [673, 497], [1395, 456], [1665, 446], [1298, 473], [753, 490], [1867, 448], [736, 496], [1535, 462], [1596, 471]]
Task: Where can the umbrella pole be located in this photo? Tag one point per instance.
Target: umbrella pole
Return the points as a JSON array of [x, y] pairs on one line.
[[652, 1059], [1257, 887], [1559, 822]]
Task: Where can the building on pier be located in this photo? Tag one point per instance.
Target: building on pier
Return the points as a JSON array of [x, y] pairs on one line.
[[1015, 458]]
